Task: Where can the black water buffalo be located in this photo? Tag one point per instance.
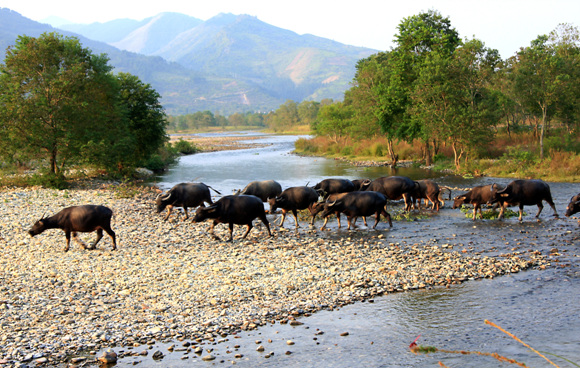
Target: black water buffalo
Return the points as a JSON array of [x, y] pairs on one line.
[[429, 191], [319, 207], [360, 184], [84, 219], [394, 188], [574, 206], [184, 195], [524, 193], [477, 196], [234, 209], [262, 189], [294, 199], [355, 204], [333, 186]]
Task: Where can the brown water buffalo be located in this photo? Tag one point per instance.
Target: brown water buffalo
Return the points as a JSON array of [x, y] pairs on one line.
[[394, 188], [477, 196], [429, 191], [84, 219], [333, 186], [184, 195], [262, 189], [355, 204], [294, 199], [234, 209], [574, 206], [522, 193]]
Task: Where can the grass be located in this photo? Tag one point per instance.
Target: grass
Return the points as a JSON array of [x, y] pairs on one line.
[[490, 214]]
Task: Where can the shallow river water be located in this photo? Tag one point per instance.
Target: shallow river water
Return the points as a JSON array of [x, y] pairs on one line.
[[541, 307]]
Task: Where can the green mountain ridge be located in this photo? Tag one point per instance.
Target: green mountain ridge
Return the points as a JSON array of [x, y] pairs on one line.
[[229, 63]]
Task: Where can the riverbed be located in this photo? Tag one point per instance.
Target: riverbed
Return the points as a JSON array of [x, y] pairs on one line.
[[172, 296], [539, 306]]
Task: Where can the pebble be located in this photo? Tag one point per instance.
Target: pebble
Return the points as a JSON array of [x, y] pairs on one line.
[[170, 280]]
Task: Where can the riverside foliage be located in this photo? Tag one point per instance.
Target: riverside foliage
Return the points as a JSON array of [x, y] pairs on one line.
[[61, 105], [453, 98]]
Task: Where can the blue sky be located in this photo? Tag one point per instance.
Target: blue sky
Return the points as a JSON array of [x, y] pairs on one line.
[[505, 25]]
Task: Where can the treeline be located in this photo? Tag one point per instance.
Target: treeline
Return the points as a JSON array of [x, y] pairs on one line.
[[439, 92], [287, 117]]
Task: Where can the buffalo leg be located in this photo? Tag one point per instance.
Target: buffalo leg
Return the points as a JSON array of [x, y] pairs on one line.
[[388, 217], [169, 207], [502, 210], [295, 213], [264, 220], [365, 221], [249, 227], [326, 221], [112, 235], [283, 217], [540, 208], [186, 214], [475, 207], [213, 224], [231, 227], [77, 240], [67, 235], [337, 219], [99, 236], [377, 219], [551, 203]]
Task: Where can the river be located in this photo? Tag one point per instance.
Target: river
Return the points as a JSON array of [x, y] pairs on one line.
[[541, 307]]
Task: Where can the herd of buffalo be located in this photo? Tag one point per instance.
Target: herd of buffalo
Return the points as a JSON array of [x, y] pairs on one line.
[[354, 198]]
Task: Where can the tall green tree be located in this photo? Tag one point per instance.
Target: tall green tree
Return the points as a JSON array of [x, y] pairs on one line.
[[454, 99], [54, 93], [545, 73]]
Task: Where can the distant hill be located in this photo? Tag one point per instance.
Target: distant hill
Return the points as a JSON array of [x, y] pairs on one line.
[[229, 63]]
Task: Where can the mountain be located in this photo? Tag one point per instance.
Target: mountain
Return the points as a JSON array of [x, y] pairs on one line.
[[229, 63], [144, 37]]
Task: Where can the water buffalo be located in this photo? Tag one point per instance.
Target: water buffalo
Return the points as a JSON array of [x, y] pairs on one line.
[[262, 189], [333, 186], [184, 195], [84, 219], [234, 209], [477, 196], [355, 204], [573, 206], [319, 207], [394, 188], [525, 192], [430, 191], [294, 199], [361, 184]]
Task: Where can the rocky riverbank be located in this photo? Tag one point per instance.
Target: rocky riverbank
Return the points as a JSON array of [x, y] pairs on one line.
[[171, 281]]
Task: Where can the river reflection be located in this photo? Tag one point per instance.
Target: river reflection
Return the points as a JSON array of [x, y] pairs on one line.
[[542, 307]]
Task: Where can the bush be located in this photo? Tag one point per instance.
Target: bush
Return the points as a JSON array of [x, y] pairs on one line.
[[185, 147], [49, 181]]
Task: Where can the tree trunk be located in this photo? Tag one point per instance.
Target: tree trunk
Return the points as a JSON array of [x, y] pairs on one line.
[[542, 133], [457, 155], [427, 154], [53, 165], [394, 157]]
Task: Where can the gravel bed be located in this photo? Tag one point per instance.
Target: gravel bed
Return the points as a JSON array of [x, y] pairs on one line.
[[172, 281]]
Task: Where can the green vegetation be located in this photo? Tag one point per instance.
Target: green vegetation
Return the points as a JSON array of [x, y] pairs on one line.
[[290, 117], [490, 214], [438, 99], [61, 107]]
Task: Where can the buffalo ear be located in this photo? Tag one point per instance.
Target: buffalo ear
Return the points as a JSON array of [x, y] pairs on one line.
[[211, 209]]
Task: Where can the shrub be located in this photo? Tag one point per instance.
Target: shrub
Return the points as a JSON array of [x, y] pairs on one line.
[[185, 147]]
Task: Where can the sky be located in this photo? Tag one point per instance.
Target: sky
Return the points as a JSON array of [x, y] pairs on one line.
[[505, 25]]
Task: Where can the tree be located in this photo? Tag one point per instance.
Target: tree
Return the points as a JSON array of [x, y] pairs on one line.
[[453, 98], [144, 114], [333, 120], [54, 94]]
